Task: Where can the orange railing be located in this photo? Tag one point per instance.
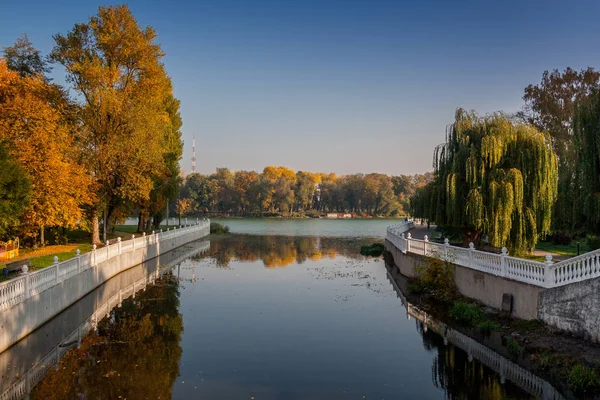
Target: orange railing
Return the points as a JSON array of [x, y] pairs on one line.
[[9, 250]]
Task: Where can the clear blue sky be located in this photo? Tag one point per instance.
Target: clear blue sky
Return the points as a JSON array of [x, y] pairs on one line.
[[337, 86]]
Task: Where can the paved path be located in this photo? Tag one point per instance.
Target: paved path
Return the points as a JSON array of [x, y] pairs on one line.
[[419, 231]]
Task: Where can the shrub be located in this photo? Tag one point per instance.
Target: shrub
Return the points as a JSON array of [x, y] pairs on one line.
[[583, 378], [467, 314], [415, 287], [513, 347], [488, 326], [548, 359], [374, 250], [217, 228], [562, 238], [437, 276], [593, 242]]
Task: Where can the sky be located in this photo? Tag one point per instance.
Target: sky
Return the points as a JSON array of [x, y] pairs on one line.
[[336, 86]]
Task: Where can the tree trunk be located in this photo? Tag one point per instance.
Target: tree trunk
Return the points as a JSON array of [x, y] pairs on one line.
[[95, 227], [42, 240], [141, 224]]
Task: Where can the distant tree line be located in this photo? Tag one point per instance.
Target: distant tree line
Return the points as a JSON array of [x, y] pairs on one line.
[[93, 151], [281, 191]]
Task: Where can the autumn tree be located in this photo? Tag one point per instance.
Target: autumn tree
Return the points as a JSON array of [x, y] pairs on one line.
[[25, 59], [586, 127], [183, 207], [115, 68], [493, 176], [550, 106], [41, 139]]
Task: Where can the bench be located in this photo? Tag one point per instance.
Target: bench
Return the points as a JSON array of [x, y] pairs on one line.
[[16, 266]]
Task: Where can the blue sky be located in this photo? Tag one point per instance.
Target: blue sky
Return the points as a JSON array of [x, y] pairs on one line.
[[337, 86]]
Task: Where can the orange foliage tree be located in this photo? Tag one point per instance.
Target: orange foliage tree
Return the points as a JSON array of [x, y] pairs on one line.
[[40, 138]]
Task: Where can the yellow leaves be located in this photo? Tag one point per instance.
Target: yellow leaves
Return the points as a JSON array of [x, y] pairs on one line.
[[41, 140]]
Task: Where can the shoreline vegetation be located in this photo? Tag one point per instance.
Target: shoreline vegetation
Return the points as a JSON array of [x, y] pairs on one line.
[[570, 363]]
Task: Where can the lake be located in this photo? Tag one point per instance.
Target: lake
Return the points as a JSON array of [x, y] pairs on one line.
[[300, 227], [270, 316]]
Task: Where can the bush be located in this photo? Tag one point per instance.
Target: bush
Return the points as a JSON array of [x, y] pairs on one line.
[[437, 276], [374, 250], [467, 314], [562, 238], [217, 228], [583, 378], [513, 347], [488, 326], [593, 242]]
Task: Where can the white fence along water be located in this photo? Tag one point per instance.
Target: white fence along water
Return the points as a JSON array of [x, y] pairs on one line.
[[543, 274], [17, 290], [23, 386]]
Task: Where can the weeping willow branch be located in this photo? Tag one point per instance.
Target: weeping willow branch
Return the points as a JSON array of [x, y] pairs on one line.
[[493, 176]]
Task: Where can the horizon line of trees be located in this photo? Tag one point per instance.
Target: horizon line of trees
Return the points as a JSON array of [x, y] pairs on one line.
[[281, 191], [103, 145]]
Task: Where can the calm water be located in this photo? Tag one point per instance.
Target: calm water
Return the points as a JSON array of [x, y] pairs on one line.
[[301, 227], [270, 317]]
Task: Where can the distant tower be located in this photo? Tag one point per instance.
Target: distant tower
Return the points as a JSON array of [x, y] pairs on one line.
[[194, 155]]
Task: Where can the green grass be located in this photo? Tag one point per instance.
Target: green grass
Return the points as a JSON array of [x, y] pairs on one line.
[[565, 250], [47, 260], [126, 228], [583, 378]]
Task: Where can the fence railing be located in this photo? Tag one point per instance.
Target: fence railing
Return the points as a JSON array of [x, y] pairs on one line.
[[28, 380], [17, 290], [544, 274]]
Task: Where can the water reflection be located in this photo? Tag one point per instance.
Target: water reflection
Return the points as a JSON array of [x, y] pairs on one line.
[[282, 251], [331, 327], [134, 354], [465, 368]]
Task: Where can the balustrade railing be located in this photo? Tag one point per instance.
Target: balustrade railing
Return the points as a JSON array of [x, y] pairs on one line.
[[28, 380], [15, 291], [544, 274]]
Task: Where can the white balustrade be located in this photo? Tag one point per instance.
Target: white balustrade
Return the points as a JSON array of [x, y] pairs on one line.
[[544, 274], [20, 389], [17, 290]]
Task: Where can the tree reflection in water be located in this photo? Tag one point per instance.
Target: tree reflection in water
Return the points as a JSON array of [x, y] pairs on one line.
[[281, 251], [134, 355], [463, 377]]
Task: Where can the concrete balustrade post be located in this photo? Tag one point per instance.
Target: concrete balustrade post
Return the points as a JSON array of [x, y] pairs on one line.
[[27, 284], [93, 255], [133, 242], [119, 244], [56, 270], [471, 249], [408, 238], [426, 239], [446, 246], [548, 272], [78, 255], [503, 266]]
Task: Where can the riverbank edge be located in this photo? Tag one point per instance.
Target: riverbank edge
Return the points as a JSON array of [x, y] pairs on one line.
[[546, 352], [23, 318]]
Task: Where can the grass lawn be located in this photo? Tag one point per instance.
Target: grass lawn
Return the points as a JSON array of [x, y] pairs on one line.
[[565, 250]]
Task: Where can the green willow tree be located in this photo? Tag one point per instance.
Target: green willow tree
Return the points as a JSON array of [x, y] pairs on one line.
[[586, 128], [493, 176]]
